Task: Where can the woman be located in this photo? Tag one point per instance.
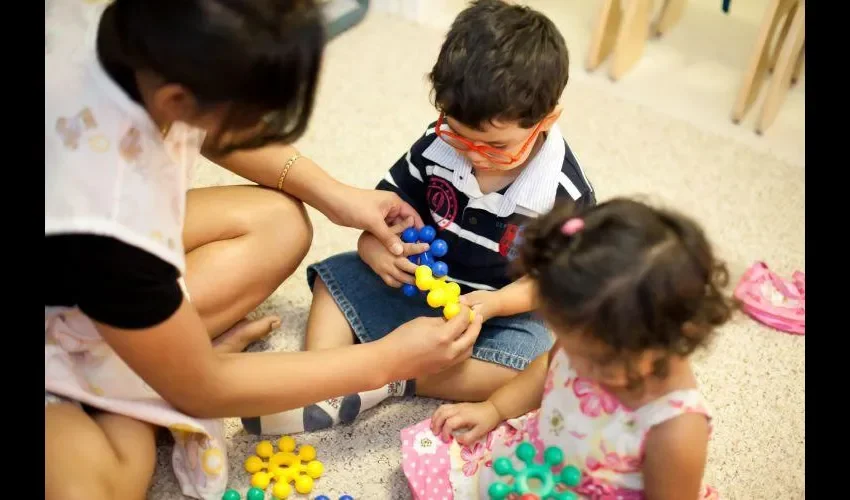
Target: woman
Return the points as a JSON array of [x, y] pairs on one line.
[[134, 91]]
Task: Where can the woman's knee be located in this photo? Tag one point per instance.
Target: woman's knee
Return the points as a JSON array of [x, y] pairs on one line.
[[284, 227]]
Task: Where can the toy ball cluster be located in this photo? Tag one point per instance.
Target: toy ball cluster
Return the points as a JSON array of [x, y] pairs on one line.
[[431, 274]]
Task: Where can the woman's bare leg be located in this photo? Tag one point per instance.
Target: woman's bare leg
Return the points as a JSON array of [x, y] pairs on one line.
[[242, 242]]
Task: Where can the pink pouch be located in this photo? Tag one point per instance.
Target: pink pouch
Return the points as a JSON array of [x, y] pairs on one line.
[[769, 299]]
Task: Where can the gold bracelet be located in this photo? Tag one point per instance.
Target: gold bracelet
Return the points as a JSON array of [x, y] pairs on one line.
[[285, 170]]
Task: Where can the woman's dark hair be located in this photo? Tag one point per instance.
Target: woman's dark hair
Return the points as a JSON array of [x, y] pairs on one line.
[[263, 56], [634, 277], [500, 62]]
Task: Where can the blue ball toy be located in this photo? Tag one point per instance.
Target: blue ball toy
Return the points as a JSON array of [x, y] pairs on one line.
[[346, 497], [414, 258], [409, 290], [439, 248], [439, 269], [427, 234], [322, 497], [409, 235], [426, 259]]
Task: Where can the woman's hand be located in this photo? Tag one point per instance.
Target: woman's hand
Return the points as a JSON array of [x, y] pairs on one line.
[[427, 345], [376, 212], [394, 270], [476, 418]]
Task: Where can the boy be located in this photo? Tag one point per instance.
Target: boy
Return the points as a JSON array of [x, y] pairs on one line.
[[494, 159]]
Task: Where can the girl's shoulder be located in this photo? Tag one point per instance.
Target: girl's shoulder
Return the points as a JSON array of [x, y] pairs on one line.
[[672, 405]]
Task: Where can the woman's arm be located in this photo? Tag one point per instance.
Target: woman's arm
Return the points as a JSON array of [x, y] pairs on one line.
[[177, 360], [676, 453], [524, 392], [366, 209]]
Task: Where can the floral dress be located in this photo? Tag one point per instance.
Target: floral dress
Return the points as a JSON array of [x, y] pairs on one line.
[[597, 434]]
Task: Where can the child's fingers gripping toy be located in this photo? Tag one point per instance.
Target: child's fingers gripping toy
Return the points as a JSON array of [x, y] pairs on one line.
[[283, 467], [542, 474], [431, 274]]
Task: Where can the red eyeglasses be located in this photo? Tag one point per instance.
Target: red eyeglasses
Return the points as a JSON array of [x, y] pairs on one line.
[[495, 155]]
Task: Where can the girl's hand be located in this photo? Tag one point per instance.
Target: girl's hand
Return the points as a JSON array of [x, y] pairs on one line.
[[394, 270], [486, 303], [477, 418], [376, 212]]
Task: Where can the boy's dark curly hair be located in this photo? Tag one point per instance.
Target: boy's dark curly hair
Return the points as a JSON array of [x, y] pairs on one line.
[[500, 62], [634, 277]]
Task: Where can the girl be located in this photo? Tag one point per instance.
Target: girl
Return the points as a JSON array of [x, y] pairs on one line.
[[630, 292], [134, 91]]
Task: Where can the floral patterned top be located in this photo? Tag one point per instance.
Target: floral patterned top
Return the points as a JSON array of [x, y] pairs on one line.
[[597, 434]]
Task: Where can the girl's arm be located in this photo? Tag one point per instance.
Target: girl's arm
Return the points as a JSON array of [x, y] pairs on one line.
[[525, 391], [365, 209], [676, 453], [177, 360]]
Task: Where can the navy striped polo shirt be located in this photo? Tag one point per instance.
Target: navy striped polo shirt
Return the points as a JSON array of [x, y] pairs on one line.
[[482, 229]]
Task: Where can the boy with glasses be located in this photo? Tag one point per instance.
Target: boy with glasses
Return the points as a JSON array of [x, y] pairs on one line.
[[494, 159]]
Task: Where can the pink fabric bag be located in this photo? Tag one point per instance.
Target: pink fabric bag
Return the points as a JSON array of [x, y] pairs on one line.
[[769, 299]]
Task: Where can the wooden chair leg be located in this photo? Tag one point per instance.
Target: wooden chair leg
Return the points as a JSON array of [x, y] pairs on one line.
[[757, 65], [634, 31], [785, 66], [786, 12], [798, 69], [605, 33], [670, 15]]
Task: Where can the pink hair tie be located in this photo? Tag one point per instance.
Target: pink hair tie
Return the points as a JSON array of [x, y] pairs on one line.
[[572, 226]]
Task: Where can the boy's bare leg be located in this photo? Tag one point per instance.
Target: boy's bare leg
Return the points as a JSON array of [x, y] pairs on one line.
[[327, 328], [326, 325], [470, 380]]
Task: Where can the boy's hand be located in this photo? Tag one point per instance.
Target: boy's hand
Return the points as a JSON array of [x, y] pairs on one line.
[[477, 418], [394, 270], [486, 303]]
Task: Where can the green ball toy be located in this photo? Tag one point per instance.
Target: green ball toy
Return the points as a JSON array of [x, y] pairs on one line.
[[541, 473], [256, 494], [231, 495]]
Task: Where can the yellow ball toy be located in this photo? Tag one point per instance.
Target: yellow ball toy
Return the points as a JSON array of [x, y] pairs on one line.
[[281, 489], [425, 283], [265, 449], [254, 464], [261, 480], [307, 452], [423, 271], [286, 444], [315, 469], [452, 291], [436, 297], [303, 484], [451, 310]]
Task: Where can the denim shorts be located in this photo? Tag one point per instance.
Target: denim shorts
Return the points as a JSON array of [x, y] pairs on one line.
[[374, 309]]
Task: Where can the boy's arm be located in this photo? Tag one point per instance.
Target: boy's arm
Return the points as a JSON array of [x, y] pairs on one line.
[[408, 180], [676, 453], [525, 391]]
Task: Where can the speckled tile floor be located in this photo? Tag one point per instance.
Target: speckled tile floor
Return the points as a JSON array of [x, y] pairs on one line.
[[374, 102]]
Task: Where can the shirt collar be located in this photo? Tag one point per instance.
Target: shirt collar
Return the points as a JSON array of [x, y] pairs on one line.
[[534, 189]]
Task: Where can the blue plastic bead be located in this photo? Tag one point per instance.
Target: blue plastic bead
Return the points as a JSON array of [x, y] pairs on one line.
[[426, 259], [409, 235], [414, 258], [427, 234], [439, 269], [322, 497], [439, 248], [346, 497], [409, 290]]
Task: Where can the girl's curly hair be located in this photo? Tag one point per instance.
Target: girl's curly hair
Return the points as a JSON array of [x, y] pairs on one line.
[[634, 277]]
